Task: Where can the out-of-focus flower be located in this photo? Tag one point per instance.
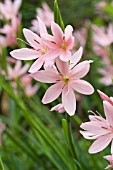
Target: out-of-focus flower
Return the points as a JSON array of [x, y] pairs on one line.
[[29, 90], [59, 108], [103, 36], [45, 14], [81, 36], [107, 75], [39, 48], [10, 9], [10, 31], [17, 71], [60, 43], [99, 128], [110, 159], [67, 79]]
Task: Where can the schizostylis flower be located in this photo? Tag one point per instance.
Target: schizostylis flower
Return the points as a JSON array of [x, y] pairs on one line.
[[67, 79]]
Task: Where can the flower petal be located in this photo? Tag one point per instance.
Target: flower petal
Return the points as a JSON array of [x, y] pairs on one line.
[[25, 54], [46, 76], [52, 93], [100, 144], [42, 27], [36, 65], [63, 67], [69, 100], [68, 33], [33, 39], [65, 56], [76, 57], [108, 109], [57, 32], [104, 97], [82, 87], [80, 70]]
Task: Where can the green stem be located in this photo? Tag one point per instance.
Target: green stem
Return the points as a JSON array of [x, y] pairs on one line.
[[2, 164], [66, 124]]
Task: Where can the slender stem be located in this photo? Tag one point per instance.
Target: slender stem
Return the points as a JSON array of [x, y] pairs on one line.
[[66, 123], [1, 164]]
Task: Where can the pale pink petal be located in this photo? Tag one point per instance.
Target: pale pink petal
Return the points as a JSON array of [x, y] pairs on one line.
[[46, 76], [104, 97], [109, 167], [82, 87], [52, 93], [36, 65], [65, 56], [100, 144], [18, 66], [33, 39], [80, 70], [63, 67], [108, 109], [57, 32], [69, 100], [59, 108], [42, 27], [16, 5], [76, 57], [23, 70], [51, 55], [88, 135], [68, 33], [25, 54], [10, 71]]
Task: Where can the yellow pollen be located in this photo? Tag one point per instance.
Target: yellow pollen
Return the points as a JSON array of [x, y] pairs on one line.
[[45, 51], [63, 46], [66, 79]]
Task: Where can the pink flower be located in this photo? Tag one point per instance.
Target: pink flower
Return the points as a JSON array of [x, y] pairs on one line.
[[110, 159], [67, 79], [10, 9], [26, 81], [45, 14], [17, 71], [81, 36], [103, 36], [107, 75], [99, 128], [59, 108], [10, 31], [38, 50], [60, 43]]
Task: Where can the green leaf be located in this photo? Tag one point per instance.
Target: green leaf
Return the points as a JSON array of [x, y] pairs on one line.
[[57, 15]]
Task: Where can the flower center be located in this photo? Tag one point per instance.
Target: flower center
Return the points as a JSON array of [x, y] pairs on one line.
[[45, 51], [66, 79], [63, 46]]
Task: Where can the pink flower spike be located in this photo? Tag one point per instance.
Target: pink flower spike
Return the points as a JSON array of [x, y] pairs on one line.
[[104, 97], [59, 108], [66, 82], [110, 159], [100, 129]]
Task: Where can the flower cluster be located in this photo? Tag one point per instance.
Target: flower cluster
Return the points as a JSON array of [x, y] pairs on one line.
[[54, 53]]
